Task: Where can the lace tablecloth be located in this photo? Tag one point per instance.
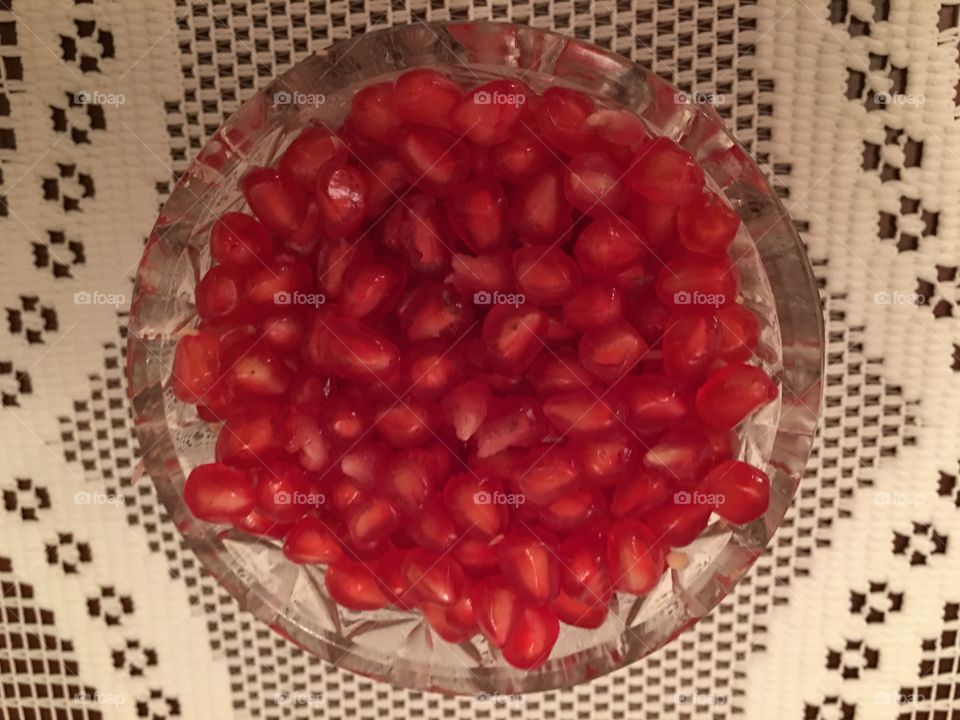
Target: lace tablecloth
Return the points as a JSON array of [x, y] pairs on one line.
[[852, 107]]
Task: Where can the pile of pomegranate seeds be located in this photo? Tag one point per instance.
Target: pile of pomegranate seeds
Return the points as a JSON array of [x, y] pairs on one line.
[[479, 353]]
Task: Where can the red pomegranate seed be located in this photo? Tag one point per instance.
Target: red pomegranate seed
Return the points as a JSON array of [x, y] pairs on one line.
[[422, 237], [282, 280], [349, 349], [478, 215], [283, 492], [309, 152], [432, 527], [310, 541], [536, 629], [677, 524], [364, 463], [218, 493], [584, 561], [256, 523], [260, 372], [371, 520], [372, 287], [344, 417], [657, 223], [385, 180], [431, 369], [218, 294], [690, 344], [374, 113], [426, 96], [592, 184], [634, 557], [238, 240], [477, 505], [639, 494], [652, 402], [539, 212], [529, 562], [733, 393], [682, 454], [456, 623], [408, 422], [607, 463], [546, 276], [433, 577], [583, 414], [488, 114], [434, 312], [495, 606], [334, 257], [513, 336], [579, 612], [389, 571], [411, 475], [276, 198], [610, 352], [434, 161], [283, 330], [247, 436], [546, 473], [739, 333], [476, 555], [354, 586], [742, 491], [593, 305], [343, 491], [664, 173], [648, 315], [516, 421], [608, 245], [481, 274], [572, 510], [561, 118], [465, 408], [196, 365], [620, 130], [520, 157], [301, 434], [707, 225], [341, 196], [697, 280], [557, 373]]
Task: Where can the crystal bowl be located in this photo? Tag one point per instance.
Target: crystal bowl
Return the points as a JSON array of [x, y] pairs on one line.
[[399, 647]]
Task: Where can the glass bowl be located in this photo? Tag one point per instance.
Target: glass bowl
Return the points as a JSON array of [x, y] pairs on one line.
[[395, 646]]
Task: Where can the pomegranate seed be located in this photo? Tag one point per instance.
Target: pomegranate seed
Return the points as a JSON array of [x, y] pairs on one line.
[[529, 562], [277, 283], [516, 421], [247, 436], [301, 434], [664, 173], [733, 393], [196, 365], [354, 586], [652, 402], [610, 352], [410, 478], [546, 276], [539, 212], [657, 223], [374, 113], [421, 237], [282, 491], [592, 184], [476, 555], [649, 316], [608, 246], [434, 161], [309, 152], [495, 606], [431, 369], [455, 624], [341, 196], [370, 288], [678, 524], [384, 180], [481, 274], [389, 571], [593, 305], [513, 336], [260, 372], [276, 198], [553, 374], [408, 423], [343, 492], [583, 556], [581, 414], [238, 240], [607, 463], [547, 473], [218, 294], [478, 215], [690, 344], [641, 493], [696, 280], [621, 130], [520, 157], [707, 225], [739, 333], [465, 408], [634, 557], [433, 528], [348, 349], [433, 577], [743, 491], [435, 312], [572, 510], [218, 493], [256, 523], [578, 612], [561, 118], [536, 629], [370, 520], [344, 420], [476, 504], [488, 114], [309, 541], [334, 258], [682, 454], [426, 97], [282, 331], [364, 463]]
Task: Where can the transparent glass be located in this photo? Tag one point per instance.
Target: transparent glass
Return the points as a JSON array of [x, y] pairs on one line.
[[396, 646]]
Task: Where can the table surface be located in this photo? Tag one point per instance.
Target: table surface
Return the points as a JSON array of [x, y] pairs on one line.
[[854, 611]]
